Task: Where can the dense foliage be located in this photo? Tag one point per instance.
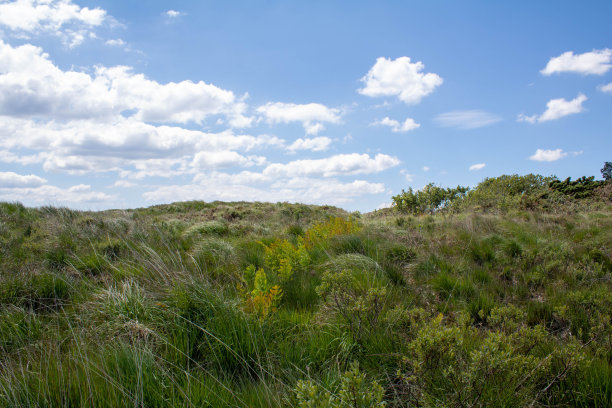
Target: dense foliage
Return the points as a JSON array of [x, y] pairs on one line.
[[504, 193], [270, 305]]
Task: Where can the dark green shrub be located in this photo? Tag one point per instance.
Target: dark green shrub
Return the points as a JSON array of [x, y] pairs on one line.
[[581, 188]]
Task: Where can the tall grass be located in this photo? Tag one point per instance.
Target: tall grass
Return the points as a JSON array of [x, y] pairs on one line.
[[148, 307]]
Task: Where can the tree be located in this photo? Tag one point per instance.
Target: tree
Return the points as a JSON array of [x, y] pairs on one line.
[[606, 171]]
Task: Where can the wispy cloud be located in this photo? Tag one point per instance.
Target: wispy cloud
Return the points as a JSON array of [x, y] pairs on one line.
[[478, 166], [467, 119]]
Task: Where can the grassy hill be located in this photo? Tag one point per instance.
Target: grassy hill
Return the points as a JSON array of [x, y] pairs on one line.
[[263, 305]]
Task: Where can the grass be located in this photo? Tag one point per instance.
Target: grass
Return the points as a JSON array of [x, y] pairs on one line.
[[150, 307]]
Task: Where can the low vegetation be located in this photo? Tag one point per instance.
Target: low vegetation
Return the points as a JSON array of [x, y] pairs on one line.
[[497, 296]]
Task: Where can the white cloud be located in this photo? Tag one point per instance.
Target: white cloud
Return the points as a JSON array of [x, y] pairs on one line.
[[315, 144], [478, 166], [224, 159], [408, 125], [124, 184], [400, 78], [606, 88], [467, 119], [246, 186], [556, 109], [311, 115], [32, 86], [11, 180], [117, 42], [62, 18], [10, 157], [81, 147], [548, 155], [596, 62], [52, 195], [384, 205], [338, 165], [409, 177], [173, 13], [426, 168]]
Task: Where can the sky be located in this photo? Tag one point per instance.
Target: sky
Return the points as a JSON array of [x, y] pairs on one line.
[[124, 104]]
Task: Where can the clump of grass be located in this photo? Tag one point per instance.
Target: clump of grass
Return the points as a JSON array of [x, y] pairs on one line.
[[213, 227], [212, 254]]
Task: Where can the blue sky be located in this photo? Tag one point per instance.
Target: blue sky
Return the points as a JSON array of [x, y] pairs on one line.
[[117, 104]]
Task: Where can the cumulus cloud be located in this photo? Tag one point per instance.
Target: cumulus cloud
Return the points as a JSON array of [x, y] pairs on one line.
[[338, 165], [52, 195], [478, 166], [311, 115], [406, 126], [173, 13], [467, 119], [596, 62], [426, 168], [401, 78], [315, 144], [62, 18], [606, 88], [246, 186], [32, 86], [228, 158], [9, 180], [548, 155], [80, 147], [556, 109]]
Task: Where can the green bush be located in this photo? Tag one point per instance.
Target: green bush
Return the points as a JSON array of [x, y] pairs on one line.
[[354, 392]]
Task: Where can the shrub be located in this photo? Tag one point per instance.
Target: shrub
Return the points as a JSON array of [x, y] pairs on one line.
[[357, 295], [260, 296], [506, 192], [428, 200], [452, 366], [283, 258], [354, 392], [584, 187]]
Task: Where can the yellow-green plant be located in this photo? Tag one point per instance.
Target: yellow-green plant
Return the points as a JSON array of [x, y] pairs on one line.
[[283, 258], [260, 297], [322, 231]]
